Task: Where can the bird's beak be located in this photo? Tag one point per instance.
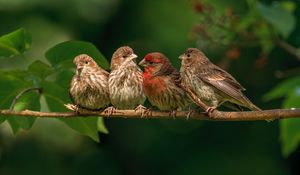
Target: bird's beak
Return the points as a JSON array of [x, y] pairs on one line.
[[143, 63], [132, 56], [79, 67], [182, 56]]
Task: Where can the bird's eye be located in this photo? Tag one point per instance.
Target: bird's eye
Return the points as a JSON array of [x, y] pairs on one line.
[[188, 55], [86, 62], [124, 56], [150, 62]]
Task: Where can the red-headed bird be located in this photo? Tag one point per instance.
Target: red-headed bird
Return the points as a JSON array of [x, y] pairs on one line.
[[161, 82]]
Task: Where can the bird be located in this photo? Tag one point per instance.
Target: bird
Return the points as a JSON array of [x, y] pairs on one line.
[[211, 84], [125, 81], [161, 82], [89, 85]]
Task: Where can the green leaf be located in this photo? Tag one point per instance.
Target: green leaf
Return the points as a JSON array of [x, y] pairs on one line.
[[84, 125], [289, 135], [56, 97], [293, 99], [247, 20], [12, 83], [40, 69], [290, 129], [281, 18], [2, 119], [15, 43], [63, 78], [288, 5], [264, 33], [101, 126], [283, 88], [10, 87], [30, 100], [66, 51]]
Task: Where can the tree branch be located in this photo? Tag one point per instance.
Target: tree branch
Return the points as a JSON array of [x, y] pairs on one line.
[[216, 115], [287, 47]]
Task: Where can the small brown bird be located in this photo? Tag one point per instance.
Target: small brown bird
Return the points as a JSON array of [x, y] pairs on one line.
[[89, 86], [161, 83], [125, 80], [211, 84]]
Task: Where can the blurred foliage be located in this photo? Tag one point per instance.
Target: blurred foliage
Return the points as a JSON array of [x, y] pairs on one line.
[[15, 43], [290, 130], [261, 26], [240, 36]]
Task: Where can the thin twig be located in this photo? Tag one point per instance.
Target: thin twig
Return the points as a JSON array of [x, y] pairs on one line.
[[132, 114], [287, 73], [287, 47], [13, 103]]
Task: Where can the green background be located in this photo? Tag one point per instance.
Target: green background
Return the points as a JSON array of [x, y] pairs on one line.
[[147, 146]]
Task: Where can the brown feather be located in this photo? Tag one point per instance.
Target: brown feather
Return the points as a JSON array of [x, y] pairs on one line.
[[125, 80], [89, 86], [216, 84]]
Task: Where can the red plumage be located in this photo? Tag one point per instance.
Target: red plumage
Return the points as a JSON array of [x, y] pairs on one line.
[[161, 82]]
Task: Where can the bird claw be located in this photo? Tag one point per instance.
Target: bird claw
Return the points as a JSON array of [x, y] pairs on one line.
[[140, 108], [73, 107], [173, 113], [109, 111], [145, 112], [191, 111], [210, 110]]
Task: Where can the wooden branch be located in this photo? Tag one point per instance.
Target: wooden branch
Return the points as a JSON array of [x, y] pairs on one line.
[[216, 115]]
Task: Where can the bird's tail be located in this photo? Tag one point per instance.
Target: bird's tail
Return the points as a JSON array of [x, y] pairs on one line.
[[250, 105], [253, 107]]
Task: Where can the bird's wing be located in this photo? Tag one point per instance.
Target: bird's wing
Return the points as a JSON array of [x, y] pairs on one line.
[[222, 81], [176, 77], [106, 73], [70, 85]]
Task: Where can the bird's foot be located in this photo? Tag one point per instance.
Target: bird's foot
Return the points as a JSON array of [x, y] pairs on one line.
[[73, 107], [191, 111], [109, 111], [210, 110], [173, 113], [145, 112]]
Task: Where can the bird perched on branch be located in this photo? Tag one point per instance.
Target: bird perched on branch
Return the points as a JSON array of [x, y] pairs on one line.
[[161, 83], [211, 84], [89, 86], [125, 80]]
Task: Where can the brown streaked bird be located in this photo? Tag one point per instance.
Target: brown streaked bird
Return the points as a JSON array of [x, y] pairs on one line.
[[89, 86], [161, 83], [211, 84], [125, 80]]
